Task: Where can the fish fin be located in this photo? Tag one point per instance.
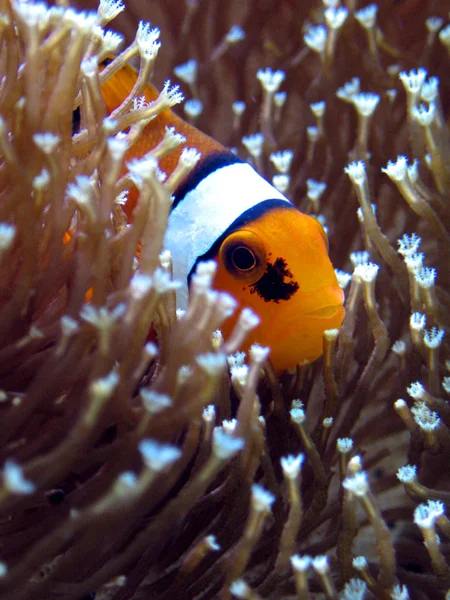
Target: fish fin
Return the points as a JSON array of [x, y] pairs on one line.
[[117, 87]]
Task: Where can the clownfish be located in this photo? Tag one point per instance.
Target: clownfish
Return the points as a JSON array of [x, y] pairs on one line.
[[270, 256]]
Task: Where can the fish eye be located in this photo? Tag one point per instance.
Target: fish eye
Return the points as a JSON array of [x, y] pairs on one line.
[[244, 256]]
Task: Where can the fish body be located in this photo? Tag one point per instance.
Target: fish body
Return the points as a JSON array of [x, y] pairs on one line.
[[270, 256]]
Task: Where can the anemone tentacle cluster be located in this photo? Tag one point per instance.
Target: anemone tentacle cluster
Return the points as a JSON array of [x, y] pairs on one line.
[[171, 465]]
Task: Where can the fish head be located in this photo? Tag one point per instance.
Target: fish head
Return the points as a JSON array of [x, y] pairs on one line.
[[278, 265]]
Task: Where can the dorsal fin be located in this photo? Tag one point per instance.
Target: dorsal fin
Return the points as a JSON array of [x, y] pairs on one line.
[[114, 91], [117, 87]]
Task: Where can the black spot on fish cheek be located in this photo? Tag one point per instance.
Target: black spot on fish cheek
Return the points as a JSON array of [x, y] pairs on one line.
[[276, 283]]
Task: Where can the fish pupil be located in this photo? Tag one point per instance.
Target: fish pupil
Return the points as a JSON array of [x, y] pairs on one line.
[[243, 258]]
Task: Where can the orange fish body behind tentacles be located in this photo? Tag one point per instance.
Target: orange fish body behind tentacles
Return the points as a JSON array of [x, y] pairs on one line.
[[270, 256]]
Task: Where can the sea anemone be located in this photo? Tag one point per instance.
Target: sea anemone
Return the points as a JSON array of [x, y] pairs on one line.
[[162, 465]]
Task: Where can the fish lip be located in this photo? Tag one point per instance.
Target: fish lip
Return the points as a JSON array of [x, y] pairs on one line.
[[326, 312]]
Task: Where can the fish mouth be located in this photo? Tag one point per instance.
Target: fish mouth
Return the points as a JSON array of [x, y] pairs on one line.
[[325, 312]]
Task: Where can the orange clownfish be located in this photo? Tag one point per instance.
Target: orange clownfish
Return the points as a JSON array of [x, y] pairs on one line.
[[270, 256]]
